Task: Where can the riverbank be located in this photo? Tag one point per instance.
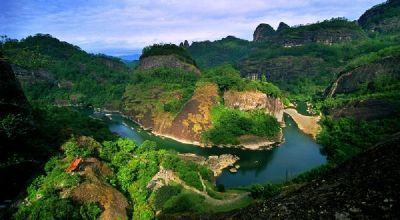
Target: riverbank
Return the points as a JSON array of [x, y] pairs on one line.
[[307, 124], [247, 142]]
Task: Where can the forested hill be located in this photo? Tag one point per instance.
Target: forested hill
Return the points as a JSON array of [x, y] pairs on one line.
[[304, 60], [57, 72]]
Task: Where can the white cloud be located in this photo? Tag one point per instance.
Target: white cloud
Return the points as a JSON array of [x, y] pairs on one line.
[[102, 25]]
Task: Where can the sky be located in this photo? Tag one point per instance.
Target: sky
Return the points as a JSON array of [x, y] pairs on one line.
[[122, 27]]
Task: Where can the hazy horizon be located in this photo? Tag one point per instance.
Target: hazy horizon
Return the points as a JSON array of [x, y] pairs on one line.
[[125, 27]]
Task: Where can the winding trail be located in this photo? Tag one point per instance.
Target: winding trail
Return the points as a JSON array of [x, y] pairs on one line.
[[169, 175], [307, 124]]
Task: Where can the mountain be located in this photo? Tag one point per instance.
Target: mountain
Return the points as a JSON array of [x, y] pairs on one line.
[[336, 30], [130, 57], [263, 32], [384, 17], [57, 72], [178, 101], [227, 50]]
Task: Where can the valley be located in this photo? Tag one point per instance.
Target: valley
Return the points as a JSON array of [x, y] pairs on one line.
[[299, 122]]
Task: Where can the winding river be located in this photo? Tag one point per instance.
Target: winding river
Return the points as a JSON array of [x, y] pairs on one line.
[[297, 154]]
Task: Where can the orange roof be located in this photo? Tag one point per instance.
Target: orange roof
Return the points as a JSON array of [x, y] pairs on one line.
[[74, 165]]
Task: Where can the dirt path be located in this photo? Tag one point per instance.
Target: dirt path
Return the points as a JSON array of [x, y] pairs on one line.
[[168, 176], [307, 124]]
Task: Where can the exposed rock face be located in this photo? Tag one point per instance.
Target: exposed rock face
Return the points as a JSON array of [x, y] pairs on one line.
[[287, 69], [323, 36], [95, 189], [195, 116], [382, 18], [250, 100], [365, 187], [166, 61], [12, 98], [30, 76], [215, 163], [263, 32], [324, 33], [191, 121], [352, 81], [367, 109]]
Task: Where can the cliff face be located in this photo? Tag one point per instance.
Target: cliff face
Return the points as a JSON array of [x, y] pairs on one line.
[[286, 70], [353, 80], [249, 100], [195, 116], [327, 32], [369, 109], [263, 32], [382, 18], [189, 123], [166, 61]]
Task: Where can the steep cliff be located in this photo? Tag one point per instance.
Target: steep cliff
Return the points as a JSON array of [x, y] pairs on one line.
[[290, 71], [250, 100], [384, 17], [369, 109], [166, 61], [263, 32], [364, 75], [369, 90], [194, 118], [327, 32]]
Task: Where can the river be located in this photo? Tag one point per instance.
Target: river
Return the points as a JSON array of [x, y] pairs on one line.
[[297, 154]]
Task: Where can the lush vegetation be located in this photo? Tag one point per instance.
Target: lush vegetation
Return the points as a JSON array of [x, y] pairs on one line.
[[167, 49], [172, 87], [65, 74], [345, 137], [227, 50], [229, 124], [133, 169], [228, 78]]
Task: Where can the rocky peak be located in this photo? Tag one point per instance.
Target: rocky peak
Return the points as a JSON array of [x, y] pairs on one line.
[[263, 32], [171, 61], [282, 26], [384, 17]]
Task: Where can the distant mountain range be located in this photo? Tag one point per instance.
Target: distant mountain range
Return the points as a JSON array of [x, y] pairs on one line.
[[130, 57]]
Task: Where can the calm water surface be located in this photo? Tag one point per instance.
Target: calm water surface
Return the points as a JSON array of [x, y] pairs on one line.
[[297, 154]]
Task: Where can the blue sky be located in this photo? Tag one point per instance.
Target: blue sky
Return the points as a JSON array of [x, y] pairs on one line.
[[120, 27]]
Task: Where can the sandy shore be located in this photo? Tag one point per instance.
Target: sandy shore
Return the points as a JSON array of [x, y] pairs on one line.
[[307, 124]]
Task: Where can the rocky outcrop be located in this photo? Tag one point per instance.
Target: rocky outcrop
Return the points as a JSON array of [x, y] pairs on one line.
[[365, 187], [195, 117], [286, 70], [326, 32], [166, 61], [353, 80], [31, 76], [369, 109], [188, 124], [250, 100], [263, 32], [96, 189], [382, 18], [215, 163], [282, 27]]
